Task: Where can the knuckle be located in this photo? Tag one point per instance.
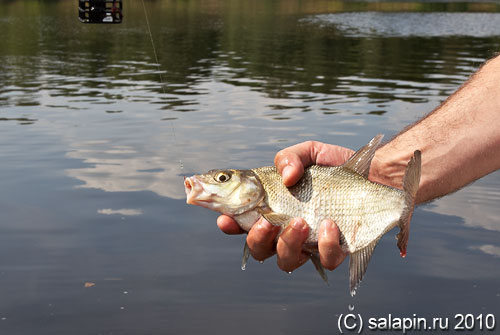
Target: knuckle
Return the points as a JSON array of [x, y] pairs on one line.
[[285, 266], [254, 246], [259, 249], [332, 261], [330, 266], [258, 257], [309, 143], [260, 253]]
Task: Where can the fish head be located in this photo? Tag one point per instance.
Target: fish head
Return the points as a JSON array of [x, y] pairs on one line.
[[230, 192]]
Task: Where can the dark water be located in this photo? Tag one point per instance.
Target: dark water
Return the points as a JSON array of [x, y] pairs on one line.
[[91, 143]]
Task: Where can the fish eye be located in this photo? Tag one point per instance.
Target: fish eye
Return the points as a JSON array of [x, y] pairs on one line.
[[222, 177]]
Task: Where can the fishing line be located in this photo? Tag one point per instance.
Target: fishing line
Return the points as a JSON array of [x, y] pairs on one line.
[[177, 153]]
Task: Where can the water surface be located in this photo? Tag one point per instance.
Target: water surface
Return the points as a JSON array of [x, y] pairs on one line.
[[95, 144]]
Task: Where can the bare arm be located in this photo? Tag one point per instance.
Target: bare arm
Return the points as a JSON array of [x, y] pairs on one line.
[[459, 140]]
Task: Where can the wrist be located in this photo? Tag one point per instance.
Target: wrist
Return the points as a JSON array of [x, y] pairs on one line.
[[387, 170], [389, 167]]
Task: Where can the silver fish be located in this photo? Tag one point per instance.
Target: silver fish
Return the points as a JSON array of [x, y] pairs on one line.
[[363, 210]]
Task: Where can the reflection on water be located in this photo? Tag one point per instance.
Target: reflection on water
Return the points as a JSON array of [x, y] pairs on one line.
[[475, 204], [489, 249], [411, 24], [94, 148], [123, 211]]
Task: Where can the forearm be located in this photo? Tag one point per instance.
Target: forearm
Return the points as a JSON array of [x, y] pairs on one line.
[[460, 140]]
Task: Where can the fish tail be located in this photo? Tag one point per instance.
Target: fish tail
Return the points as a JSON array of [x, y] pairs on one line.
[[411, 180]]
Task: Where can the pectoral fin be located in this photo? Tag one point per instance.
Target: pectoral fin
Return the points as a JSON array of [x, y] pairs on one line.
[[319, 267], [358, 264], [277, 219], [246, 254]]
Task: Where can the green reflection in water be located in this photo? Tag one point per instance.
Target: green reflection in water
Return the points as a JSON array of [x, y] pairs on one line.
[[260, 44]]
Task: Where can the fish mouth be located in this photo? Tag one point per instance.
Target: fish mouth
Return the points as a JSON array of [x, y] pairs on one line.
[[195, 192], [188, 185]]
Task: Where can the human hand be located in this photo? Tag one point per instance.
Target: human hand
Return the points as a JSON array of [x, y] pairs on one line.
[[290, 163]]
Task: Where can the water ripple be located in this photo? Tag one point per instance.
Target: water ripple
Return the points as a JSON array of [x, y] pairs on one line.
[[364, 24]]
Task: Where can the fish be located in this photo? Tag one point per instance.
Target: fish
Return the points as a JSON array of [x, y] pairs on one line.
[[363, 210]]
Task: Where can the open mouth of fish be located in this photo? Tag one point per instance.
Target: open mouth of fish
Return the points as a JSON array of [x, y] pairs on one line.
[[196, 194]]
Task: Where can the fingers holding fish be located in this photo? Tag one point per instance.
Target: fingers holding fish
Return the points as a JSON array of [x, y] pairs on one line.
[[291, 161], [289, 247], [261, 239], [330, 252], [228, 225]]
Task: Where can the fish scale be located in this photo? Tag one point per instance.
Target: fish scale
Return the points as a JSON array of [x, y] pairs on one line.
[[360, 208]]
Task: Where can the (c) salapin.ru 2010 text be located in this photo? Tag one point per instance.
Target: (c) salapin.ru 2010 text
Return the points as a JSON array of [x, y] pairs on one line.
[[464, 322]]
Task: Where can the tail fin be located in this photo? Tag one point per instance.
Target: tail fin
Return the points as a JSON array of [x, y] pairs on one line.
[[411, 181]]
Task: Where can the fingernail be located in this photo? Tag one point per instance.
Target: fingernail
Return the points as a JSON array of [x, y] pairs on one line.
[[299, 225], [264, 224], [287, 172], [327, 227]]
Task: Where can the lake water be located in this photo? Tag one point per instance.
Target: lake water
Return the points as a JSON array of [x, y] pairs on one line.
[[95, 235]]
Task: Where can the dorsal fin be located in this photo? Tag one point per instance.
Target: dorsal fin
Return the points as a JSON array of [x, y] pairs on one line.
[[361, 160]]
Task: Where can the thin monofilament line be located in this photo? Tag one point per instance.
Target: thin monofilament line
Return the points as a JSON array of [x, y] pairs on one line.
[[161, 83]]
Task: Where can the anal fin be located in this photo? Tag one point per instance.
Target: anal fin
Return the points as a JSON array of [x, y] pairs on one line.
[[358, 263], [319, 267]]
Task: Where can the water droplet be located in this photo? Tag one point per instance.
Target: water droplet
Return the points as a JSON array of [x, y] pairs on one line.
[[122, 307], [290, 272], [125, 292], [243, 267], [353, 293], [4, 318], [351, 308], [261, 262]]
